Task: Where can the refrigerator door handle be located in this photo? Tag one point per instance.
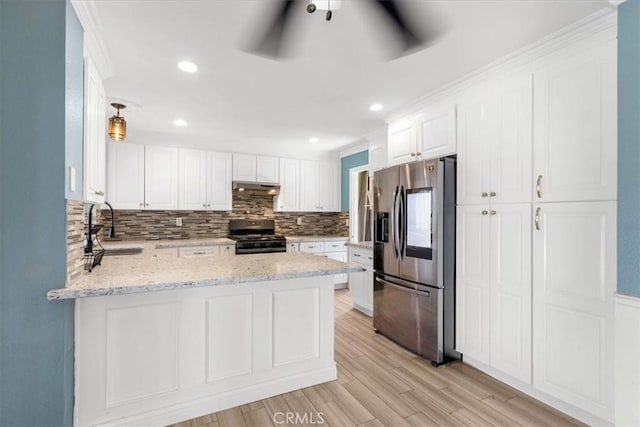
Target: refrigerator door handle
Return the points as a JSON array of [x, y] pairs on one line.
[[394, 222], [403, 222], [403, 288]]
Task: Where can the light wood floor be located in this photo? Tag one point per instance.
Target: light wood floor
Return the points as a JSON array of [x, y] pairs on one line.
[[381, 384]]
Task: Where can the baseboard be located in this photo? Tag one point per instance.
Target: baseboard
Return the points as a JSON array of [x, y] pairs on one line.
[[528, 389], [627, 361], [203, 406], [366, 310]]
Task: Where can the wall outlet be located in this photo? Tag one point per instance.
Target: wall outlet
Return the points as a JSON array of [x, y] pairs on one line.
[[299, 220], [179, 222]]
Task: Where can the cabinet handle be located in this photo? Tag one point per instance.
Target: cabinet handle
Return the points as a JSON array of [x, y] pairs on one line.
[[484, 194], [492, 212], [492, 194], [358, 255], [370, 257], [418, 154], [484, 212], [537, 219], [99, 193], [413, 154], [199, 253], [539, 186]]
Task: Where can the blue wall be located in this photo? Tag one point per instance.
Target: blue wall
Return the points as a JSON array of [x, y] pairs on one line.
[[629, 148], [36, 336], [74, 93], [346, 163]]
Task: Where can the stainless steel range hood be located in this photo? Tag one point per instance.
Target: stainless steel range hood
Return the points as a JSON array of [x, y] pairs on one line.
[[257, 187]]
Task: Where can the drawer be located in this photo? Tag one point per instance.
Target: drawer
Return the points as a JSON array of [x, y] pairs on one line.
[[166, 253], [312, 247], [361, 256], [227, 250], [196, 251], [293, 247], [335, 246]]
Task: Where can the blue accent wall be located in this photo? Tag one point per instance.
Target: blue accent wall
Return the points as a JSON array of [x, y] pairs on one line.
[[346, 163], [74, 93], [36, 336], [629, 148]]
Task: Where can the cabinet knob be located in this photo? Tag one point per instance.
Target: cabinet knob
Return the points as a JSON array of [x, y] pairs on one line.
[[484, 212], [413, 154], [147, 204], [492, 194], [208, 206], [99, 193], [141, 204], [418, 154], [493, 212], [204, 206], [484, 194]]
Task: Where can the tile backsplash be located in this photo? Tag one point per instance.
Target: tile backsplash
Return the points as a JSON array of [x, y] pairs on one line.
[[75, 238], [153, 225]]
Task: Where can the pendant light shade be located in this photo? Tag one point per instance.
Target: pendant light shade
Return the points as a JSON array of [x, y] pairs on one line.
[[117, 124]]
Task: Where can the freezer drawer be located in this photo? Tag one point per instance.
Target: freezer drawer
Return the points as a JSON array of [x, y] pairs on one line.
[[409, 316]]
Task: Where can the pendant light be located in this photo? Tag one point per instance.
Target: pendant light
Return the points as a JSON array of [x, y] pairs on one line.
[[117, 124]]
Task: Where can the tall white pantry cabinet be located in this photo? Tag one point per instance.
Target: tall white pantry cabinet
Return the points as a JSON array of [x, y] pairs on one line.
[[536, 236]]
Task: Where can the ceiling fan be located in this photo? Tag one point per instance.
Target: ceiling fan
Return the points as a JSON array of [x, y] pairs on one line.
[[270, 42]]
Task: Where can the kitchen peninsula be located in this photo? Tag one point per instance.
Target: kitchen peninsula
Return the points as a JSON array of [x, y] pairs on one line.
[[160, 340]]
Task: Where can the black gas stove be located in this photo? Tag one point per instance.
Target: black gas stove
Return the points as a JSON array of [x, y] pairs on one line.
[[256, 236]]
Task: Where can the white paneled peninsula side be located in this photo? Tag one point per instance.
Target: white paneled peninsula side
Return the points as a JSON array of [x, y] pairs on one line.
[[160, 340]]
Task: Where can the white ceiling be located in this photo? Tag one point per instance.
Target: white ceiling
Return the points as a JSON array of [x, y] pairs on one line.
[[241, 102]]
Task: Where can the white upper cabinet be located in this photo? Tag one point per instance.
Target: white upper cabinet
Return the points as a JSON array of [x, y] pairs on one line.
[[244, 167], [494, 143], [574, 282], [193, 179], [575, 133], [436, 131], [126, 175], [94, 135], [289, 197], [267, 169], [219, 173], [402, 142], [205, 180], [161, 177], [328, 191], [427, 135], [309, 185]]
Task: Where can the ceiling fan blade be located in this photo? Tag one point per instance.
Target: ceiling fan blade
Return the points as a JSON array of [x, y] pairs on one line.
[[271, 42], [410, 38]]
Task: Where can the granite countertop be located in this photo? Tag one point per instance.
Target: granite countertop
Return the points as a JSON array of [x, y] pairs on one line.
[[168, 244], [365, 245], [148, 273], [297, 239]]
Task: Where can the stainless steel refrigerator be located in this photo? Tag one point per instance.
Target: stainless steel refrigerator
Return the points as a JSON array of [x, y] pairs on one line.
[[414, 257]]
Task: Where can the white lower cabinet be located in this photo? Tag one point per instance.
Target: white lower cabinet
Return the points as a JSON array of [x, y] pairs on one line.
[[334, 249], [574, 281], [361, 284], [494, 286]]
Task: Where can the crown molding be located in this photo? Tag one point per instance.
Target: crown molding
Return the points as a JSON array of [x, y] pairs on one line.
[[599, 26], [94, 44], [353, 149]]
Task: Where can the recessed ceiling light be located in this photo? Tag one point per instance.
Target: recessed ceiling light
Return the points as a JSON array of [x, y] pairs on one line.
[[313, 140], [188, 67], [179, 122], [376, 107]]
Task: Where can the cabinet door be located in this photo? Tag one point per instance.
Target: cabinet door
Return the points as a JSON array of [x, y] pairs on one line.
[[474, 142], [574, 279], [437, 131], [244, 167], [511, 148], [289, 197], [328, 187], [338, 256], [94, 135], [356, 288], [293, 247], [267, 169], [575, 127], [473, 291], [126, 175], [511, 289], [192, 169], [219, 191], [161, 177], [309, 186], [402, 142]]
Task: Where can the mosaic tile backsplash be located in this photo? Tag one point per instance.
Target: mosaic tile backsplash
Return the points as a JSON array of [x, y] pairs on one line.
[[153, 225], [75, 238]]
